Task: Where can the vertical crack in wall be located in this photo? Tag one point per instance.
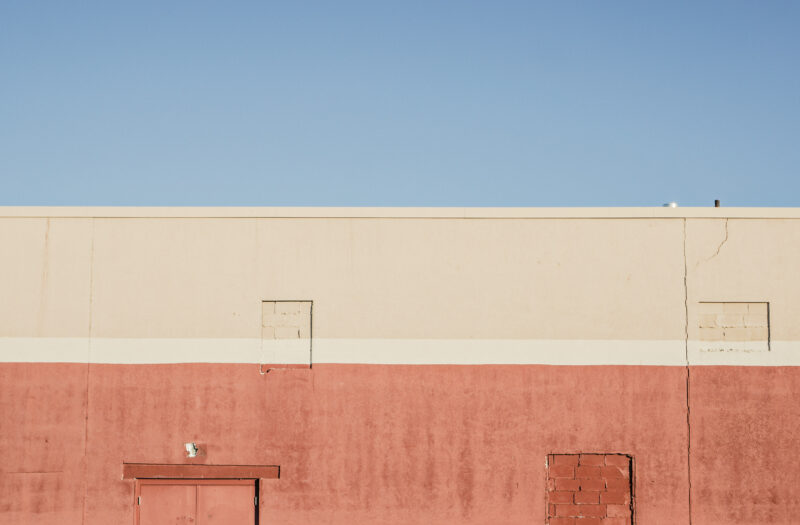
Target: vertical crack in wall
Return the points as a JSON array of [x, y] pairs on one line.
[[688, 369], [86, 399]]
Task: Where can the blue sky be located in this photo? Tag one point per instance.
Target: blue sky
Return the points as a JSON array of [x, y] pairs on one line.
[[400, 103]]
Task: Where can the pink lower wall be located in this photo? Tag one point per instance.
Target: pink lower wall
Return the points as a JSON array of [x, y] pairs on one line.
[[401, 444], [745, 460]]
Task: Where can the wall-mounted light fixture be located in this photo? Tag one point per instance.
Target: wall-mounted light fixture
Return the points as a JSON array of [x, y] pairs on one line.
[[191, 450]]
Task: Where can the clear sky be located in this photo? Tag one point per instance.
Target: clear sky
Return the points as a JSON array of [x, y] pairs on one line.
[[592, 103]]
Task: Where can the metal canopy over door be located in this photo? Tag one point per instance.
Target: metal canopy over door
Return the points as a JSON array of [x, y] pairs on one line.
[[195, 502]]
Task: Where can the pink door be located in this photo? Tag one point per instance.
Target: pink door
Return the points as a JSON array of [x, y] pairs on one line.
[[226, 504], [164, 504], [195, 502]]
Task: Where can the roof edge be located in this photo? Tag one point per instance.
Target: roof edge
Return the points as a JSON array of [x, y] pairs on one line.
[[395, 212]]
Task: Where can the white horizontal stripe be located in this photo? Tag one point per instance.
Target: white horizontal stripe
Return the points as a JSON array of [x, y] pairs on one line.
[[392, 351], [44, 349], [175, 350], [499, 352], [777, 353]]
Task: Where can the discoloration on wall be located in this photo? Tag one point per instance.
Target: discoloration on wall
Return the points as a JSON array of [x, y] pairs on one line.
[[41, 443]]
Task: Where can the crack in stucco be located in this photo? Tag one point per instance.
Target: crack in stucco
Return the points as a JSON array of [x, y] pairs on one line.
[[88, 361], [722, 243], [688, 369], [685, 301]]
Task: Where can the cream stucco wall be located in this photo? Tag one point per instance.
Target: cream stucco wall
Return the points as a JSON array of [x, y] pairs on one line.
[[571, 277]]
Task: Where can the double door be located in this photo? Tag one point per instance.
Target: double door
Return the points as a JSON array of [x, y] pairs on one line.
[[196, 502]]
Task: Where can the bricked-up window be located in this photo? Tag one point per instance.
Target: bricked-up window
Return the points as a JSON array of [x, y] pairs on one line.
[[734, 326], [589, 489], [286, 333]]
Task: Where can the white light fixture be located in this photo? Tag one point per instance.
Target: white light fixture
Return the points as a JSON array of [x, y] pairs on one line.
[[671, 205], [191, 450]]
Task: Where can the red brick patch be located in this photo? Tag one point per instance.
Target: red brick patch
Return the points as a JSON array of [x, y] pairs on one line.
[[589, 489], [568, 484], [592, 511], [561, 496], [618, 484], [613, 472], [587, 497], [592, 460], [562, 471], [566, 510], [615, 498], [618, 511], [597, 485], [589, 472]]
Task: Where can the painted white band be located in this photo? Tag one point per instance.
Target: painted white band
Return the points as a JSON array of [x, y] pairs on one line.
[[393, 351], [759, 353], [499, 352]]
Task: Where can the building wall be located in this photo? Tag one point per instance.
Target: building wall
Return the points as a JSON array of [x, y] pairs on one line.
[[451, 355]]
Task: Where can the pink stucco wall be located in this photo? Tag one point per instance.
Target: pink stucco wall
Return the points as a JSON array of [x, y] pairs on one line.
[[400, 444]]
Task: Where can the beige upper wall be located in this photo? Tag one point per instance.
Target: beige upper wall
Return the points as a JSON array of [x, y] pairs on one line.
[[45, 277], [482, 278]]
